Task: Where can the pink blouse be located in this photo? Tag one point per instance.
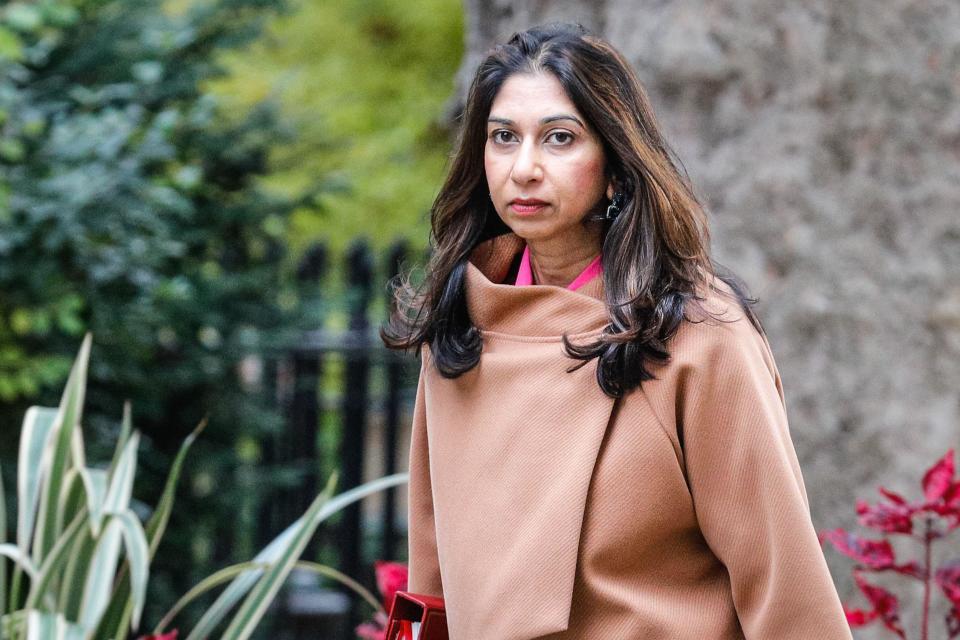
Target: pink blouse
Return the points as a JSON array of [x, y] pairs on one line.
[[525, 274]]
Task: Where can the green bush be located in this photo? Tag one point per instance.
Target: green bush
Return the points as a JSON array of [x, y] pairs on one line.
[[131, 207], [75, 524]]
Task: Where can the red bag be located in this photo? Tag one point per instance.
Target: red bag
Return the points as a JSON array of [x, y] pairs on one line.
[[410, 609]]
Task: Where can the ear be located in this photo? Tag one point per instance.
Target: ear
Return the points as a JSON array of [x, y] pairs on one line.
[[610, 190]]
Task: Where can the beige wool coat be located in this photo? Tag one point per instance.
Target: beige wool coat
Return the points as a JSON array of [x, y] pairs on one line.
[[539, 507]]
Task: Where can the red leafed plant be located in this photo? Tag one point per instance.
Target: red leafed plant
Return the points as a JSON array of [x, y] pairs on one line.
[[927, 520], [391, 577]]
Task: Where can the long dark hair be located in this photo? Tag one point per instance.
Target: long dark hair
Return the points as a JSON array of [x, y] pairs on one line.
[[656, 253]]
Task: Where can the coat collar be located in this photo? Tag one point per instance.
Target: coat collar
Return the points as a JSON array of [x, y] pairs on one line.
[[534, 310]]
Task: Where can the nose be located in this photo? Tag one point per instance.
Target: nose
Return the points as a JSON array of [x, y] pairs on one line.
[[526, 164]]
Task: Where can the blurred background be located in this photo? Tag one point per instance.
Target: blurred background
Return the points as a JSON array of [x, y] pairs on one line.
[[219, 190]]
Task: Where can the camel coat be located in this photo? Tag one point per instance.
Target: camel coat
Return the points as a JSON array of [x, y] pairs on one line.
[[539, 507]]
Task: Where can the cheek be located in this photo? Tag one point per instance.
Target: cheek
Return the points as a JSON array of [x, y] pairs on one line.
[[493, 167], [587, 177]]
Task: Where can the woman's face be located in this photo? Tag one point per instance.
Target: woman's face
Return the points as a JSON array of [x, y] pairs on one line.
[[539, 148]]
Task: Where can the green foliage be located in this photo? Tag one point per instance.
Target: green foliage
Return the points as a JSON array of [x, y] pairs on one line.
[[366, 83], [76, 524], [136, 203], [130, 206], [124, 203]]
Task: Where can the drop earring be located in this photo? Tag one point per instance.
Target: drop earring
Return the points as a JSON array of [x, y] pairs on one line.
[[614, 209]]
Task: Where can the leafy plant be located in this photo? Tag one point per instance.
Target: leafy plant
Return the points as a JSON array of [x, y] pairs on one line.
[[129, 190], [75, 525], [928, 520]]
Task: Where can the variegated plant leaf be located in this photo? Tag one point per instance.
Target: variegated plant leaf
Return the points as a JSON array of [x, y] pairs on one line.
[[68, 416], [99, 584], [118, 616], [22, 560], [95, 483], [228, 573], [55, 561], [157, 523], [79, 559], [100, 575], [38, 423], [72, 498], [262, 594], [274, 551], [138, 559], [126, 426], [121, 478], [42, 625], [36, 452]]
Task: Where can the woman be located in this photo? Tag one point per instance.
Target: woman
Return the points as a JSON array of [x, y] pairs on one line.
[[600, 445]]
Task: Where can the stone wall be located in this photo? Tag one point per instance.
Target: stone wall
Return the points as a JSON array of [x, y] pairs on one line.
[[825, 139]]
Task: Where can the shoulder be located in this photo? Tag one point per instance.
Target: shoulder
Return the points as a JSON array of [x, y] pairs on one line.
[[718, 360], [715, 327], [717, 341]]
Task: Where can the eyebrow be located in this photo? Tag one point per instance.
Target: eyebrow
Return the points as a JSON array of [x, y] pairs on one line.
[[547, 119]]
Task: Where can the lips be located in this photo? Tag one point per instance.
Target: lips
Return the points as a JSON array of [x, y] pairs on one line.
[[527, 205]]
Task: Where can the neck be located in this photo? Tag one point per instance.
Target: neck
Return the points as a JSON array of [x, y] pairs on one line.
[[558, 261]]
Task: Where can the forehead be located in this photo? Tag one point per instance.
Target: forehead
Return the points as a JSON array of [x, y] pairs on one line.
[[530, 96]]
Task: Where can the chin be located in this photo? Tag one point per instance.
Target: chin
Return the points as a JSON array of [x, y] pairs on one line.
[[530, 231], [532, 227]]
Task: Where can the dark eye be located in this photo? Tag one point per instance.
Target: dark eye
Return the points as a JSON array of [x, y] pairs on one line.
[[561, 137], [496, 135]]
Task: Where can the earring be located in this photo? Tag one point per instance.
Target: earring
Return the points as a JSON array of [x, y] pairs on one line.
[[613, 210]]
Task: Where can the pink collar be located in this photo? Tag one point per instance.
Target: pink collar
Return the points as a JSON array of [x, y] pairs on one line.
[[525, 274]]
